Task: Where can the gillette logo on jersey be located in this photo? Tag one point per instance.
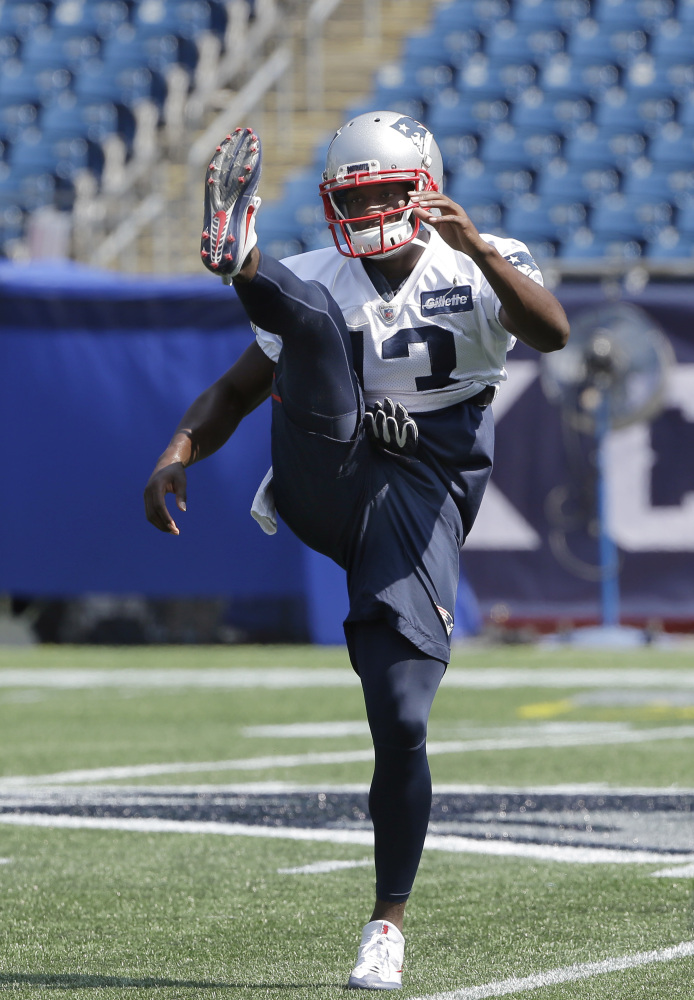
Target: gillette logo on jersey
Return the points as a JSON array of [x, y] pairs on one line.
[[446, 300]]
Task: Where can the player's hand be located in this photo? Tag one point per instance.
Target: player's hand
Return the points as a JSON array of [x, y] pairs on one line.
[[452, 224], [167, 479], [391, 428]]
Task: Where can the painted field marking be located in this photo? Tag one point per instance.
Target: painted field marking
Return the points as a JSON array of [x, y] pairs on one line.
[[323, 867], [611, 737], [280, 678], [679, 871], [566, 974], [312, 730], [434, 842], [356, 727], [19, 797]]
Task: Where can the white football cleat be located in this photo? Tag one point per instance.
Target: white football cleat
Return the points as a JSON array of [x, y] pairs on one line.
[[379, 960]]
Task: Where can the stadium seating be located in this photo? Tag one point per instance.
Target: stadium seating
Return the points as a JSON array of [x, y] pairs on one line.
[[74, 76], [567, 123], [560, 121]]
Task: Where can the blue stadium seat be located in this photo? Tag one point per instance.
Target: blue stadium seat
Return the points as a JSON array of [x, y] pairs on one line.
[[453, 113], [22, 17], [128, 86], [27, 190], [618, 216], [685, 219], [421, 83], [530, 219], [11, 224], [43, 48], [583, 182], [474, 14], [451, 48], [477, 184], [533, 43], [71, 117], [673, 41], [317, 239], [674, 145], [685, 11], [563, 76], [63, 157], [485, 215], [187, 18], [660, 181], [584, 244], [89, 18], [670, 244], [551, 13], [604, 147], [20, 84], [666, 78], [685, 112], [9, 47], [15, 117], [534, 110], [495, 79], [505, 146], [632, 13], [124, 48], [588, 42], [622, 109], [458, 151]]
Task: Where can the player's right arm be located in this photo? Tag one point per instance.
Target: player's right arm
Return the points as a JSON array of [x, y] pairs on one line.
[[206, 425]]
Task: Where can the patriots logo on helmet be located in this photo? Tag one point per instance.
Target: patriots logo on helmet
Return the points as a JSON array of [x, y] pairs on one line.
[[524, 262], [414, 130]]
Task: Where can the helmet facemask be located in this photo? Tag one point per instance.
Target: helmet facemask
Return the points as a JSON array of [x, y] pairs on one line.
[[389, 230]]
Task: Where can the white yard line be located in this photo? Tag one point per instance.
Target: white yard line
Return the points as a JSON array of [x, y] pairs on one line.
[[434, 842], [285, 787], [222, 678], [679, 871], [610, 737], [323, 867], [566, 974]]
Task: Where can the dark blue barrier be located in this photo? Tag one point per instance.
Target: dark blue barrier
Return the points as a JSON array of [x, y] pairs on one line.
[[97, 369]]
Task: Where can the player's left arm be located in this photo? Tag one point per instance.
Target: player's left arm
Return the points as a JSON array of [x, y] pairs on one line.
[[528, 311]]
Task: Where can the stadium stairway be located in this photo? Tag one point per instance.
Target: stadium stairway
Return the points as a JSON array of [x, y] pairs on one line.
[[350, 60]]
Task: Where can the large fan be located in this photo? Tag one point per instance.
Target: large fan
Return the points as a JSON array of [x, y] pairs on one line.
[[612, 373]]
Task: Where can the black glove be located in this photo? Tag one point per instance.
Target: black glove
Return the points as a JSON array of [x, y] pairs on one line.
[[391, 428]]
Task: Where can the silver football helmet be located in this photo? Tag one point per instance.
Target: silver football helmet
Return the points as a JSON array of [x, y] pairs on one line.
[[370, 149]]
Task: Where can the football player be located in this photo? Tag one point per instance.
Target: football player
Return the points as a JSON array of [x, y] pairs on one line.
[[382, 355]]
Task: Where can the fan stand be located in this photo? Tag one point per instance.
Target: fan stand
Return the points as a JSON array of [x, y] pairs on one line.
[[610, 633]]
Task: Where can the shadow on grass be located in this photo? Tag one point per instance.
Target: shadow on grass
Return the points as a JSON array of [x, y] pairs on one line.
[[69, 981]]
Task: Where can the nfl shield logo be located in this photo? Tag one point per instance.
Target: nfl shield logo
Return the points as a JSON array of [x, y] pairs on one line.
[[387, 312]]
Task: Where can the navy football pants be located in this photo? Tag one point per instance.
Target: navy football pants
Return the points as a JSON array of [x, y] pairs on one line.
[[320, 394]]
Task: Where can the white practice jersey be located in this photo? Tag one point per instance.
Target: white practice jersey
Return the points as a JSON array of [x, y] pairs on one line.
[[437, 342]]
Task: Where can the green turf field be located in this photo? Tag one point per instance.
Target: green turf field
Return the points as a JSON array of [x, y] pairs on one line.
[[141, 911]]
